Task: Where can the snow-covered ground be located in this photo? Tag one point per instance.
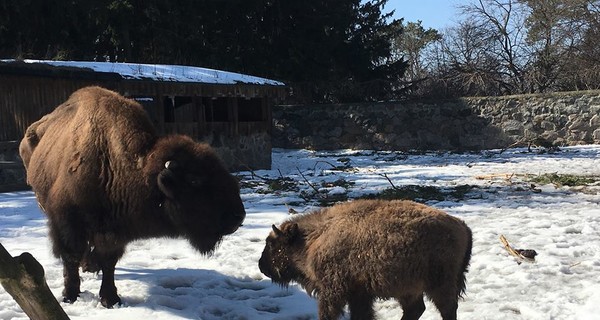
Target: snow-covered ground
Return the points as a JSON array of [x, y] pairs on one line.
[[166, 279]]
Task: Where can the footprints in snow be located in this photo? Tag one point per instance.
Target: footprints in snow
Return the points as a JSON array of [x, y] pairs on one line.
[[215, 296]]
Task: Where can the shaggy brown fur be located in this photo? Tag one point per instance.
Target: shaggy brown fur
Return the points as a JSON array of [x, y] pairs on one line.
[[357, 251], [104, 179]]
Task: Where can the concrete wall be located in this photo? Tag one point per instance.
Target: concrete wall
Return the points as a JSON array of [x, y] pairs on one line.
[[463, 124]]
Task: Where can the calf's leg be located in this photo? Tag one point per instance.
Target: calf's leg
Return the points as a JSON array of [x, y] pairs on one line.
[[412, 307], [445, 299], [361, 306], [331, 305]]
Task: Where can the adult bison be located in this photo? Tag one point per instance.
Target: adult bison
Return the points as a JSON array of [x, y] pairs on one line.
[[355, 252], [104, 178]]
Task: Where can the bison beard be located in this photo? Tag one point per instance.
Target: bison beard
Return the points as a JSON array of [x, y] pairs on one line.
[[104, 178], [355, 252]]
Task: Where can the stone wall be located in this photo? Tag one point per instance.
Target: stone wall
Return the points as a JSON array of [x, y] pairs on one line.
[[463, 124], [238, 153], [243, 152], [12, 172]]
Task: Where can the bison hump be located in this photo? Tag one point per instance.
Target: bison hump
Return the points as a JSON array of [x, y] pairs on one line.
[[93, 129]]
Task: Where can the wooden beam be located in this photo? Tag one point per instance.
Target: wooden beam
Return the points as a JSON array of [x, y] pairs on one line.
[[23, 278]]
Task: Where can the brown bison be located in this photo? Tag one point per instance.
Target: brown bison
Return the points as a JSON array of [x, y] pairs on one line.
[[104, 178], [357, 251]]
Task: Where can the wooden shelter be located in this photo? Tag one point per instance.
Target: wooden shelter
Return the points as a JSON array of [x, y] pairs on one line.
[[230, 111]]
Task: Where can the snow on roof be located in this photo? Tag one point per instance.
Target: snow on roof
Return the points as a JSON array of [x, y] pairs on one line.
[[161, 72]]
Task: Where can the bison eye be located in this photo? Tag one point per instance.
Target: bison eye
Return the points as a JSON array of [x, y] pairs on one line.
[[276, 250], [195, 181]]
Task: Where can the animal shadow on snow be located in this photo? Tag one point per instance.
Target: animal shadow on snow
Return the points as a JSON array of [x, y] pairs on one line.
[[208, 294]]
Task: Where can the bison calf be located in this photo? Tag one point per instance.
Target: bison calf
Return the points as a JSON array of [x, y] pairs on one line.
[[104, 178], [355, 252]]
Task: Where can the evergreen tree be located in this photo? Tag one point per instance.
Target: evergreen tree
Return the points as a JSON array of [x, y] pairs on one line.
[[328, 51]]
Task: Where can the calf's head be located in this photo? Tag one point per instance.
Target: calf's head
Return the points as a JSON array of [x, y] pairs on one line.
[[277, 261], [201, 198]]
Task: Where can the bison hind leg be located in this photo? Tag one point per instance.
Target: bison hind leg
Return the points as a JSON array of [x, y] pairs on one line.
[[445, 299], [361, 305], [67, 245], [71, 280], [412, 306]]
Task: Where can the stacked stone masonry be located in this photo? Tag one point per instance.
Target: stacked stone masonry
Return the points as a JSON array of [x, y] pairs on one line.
[[557, 119]]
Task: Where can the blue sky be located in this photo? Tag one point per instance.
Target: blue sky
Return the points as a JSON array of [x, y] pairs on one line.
[[435, 14]]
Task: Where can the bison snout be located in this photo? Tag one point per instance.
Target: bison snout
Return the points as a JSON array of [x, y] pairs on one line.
[[263, 267], [231, 229], [234, 221]]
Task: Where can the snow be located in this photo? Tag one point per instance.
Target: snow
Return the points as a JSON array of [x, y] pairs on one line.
[[167, 279], [162, 72]]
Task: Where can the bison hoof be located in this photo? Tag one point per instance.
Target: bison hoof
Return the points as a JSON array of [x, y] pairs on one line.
[[70, 297], [69, 300], [110, 302]]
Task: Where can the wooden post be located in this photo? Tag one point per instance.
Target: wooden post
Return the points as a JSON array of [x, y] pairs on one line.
[[23, 278]]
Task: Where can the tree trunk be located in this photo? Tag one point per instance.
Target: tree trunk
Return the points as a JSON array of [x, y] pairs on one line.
[[23, 278]]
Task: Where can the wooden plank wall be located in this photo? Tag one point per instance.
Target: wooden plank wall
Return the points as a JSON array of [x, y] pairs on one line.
[[25, 99]]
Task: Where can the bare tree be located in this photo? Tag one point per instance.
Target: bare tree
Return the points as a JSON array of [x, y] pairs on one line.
[[502, 21], [472, 68], [515, 46]]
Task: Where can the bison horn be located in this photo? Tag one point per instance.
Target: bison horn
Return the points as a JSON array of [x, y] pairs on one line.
[[171, 165]]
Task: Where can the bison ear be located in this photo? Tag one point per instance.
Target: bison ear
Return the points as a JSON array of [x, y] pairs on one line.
[[289, 232], [278, 232], [292, 231]]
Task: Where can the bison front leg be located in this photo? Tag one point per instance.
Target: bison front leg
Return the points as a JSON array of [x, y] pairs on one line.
[[108, 290], [71, 279], [331, 305]]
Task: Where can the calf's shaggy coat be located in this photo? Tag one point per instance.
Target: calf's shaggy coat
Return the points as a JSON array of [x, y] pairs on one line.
[[104, 178], [355, 252]]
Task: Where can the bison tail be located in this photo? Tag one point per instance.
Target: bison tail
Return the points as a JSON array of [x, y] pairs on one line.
[[462, 281]]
